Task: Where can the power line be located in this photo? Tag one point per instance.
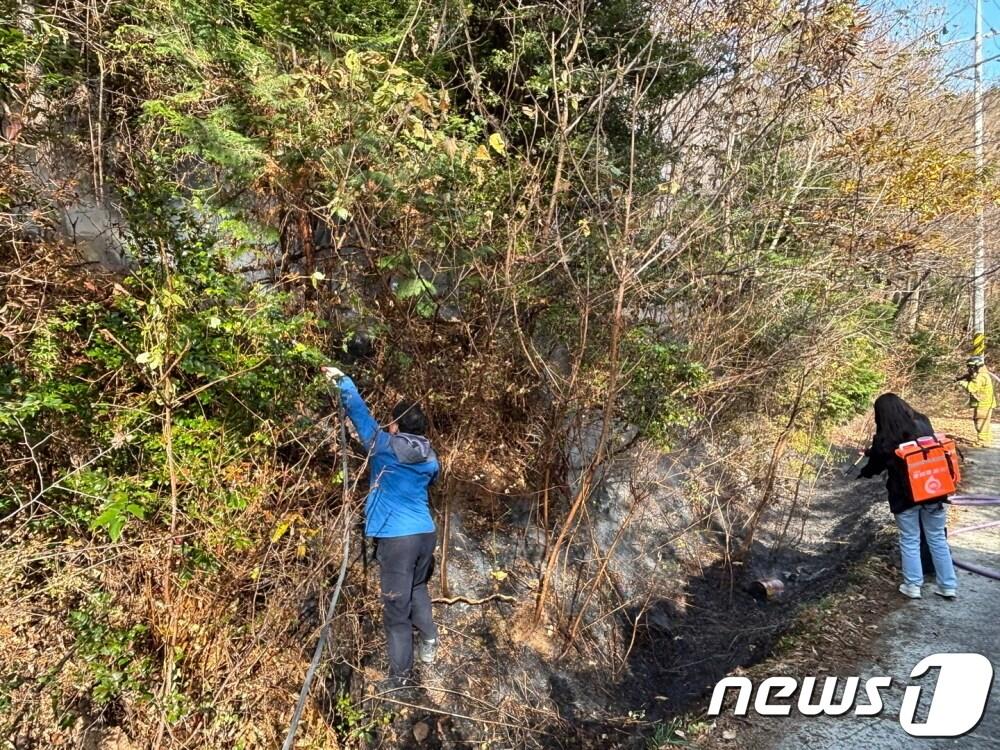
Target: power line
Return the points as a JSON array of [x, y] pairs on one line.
[[992, 36], [971, 67], [978, 279]]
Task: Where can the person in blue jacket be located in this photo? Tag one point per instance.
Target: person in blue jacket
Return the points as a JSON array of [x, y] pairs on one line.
[[402, 467]]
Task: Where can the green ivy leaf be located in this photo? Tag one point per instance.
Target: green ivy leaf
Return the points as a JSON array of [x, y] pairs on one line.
[[110, 514], [410, 288], [115, 528]]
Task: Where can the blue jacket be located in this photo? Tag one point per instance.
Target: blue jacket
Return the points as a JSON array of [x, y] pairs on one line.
[[402, 467]]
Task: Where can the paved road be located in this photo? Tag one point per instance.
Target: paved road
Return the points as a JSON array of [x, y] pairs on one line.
[[919, 629]]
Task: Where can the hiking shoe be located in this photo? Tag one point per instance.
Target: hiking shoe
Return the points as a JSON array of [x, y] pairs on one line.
[[426, 650], [946, 593], [909, 589]]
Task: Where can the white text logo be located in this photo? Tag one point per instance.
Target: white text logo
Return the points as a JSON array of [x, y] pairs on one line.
[[957, 704]]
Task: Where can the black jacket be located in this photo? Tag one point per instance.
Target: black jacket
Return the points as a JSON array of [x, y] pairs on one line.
[[883, 458]]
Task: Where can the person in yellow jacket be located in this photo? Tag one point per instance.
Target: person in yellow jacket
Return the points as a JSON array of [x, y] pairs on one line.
[[982, 398]]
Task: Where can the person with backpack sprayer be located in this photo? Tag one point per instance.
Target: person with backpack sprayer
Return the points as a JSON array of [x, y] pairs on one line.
[[982, 398], [403, 466], [902, 432]]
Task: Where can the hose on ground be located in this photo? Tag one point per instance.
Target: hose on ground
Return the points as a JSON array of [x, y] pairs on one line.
[[325, 627], [978, 569], [976, 500], [977, 527]]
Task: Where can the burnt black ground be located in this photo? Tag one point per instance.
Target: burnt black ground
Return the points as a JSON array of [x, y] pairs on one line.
[[679, 653], [723, 626], [917, 629]]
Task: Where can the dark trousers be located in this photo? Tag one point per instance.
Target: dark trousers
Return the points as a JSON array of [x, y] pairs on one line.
[[406, 564]]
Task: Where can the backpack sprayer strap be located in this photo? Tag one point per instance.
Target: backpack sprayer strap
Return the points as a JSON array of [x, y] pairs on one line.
[[951, 463]]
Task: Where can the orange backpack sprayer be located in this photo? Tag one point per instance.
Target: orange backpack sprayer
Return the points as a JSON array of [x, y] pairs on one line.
[[931, 467]]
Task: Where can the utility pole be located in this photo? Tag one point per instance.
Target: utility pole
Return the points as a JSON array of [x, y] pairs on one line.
[[979, 266]]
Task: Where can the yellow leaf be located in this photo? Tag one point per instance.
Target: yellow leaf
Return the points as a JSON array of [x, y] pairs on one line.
[[352, 61], [673, 187], [481, 154], [280, 530], [497, 144], [421, 102], [500, 575]]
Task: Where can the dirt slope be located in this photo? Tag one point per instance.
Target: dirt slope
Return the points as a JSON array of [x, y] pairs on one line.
[[909, 632]]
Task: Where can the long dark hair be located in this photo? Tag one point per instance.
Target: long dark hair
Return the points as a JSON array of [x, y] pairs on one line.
[[897, 422]]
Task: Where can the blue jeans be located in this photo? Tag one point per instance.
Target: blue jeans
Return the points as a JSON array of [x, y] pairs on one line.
[[934, 518]]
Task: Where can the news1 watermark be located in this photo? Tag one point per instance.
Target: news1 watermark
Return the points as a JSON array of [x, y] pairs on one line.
[[958, 702]]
